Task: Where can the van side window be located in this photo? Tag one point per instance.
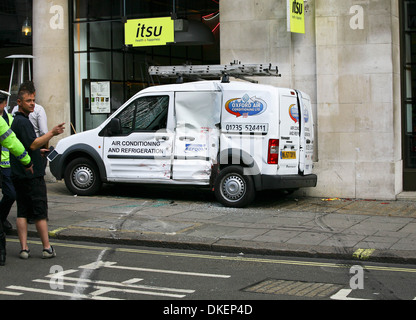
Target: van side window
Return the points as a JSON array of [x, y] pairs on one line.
[[145, 114]]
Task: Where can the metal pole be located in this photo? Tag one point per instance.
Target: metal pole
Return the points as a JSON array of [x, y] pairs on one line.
[[30, 73], [10, 83], [21, 71]]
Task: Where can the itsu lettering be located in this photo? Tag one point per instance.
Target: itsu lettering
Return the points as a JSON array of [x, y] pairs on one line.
[[150, 31], [297, 7]]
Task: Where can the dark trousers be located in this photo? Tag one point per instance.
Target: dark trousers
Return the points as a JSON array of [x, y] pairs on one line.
[[2, 234], [9, 194]]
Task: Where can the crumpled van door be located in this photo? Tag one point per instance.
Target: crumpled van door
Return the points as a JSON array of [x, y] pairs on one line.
[[197, 136]]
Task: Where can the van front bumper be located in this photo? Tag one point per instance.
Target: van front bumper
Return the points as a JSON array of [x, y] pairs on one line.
[[288, 182], [56, 167]]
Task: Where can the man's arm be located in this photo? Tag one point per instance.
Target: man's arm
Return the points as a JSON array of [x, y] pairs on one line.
[[43, 140]]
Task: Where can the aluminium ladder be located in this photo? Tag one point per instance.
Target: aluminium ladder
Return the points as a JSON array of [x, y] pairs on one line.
[[235, 69]]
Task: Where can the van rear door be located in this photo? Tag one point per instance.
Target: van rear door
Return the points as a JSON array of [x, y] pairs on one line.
[[306, 134], [289, 133]]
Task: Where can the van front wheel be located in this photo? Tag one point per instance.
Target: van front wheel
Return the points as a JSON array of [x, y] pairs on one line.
[[233, 188], [82, 177]]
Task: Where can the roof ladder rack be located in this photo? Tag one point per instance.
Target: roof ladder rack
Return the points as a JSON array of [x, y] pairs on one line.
[[200, 72]]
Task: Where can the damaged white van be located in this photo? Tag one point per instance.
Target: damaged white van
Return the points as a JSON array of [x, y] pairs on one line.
[[235, 137]]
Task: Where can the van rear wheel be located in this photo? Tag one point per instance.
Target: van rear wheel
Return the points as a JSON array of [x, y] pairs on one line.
[[82, 177], [233, 188]]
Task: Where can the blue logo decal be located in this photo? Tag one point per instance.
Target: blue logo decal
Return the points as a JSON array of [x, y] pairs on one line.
[[195, 147], [246, 106]]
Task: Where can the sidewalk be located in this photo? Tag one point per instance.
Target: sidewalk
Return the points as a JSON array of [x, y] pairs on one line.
[[331, 228]]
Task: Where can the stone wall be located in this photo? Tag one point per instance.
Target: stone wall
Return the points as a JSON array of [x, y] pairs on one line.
[[349, 63]]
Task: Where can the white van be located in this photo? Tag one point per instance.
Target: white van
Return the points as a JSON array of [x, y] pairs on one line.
[[236, 138]]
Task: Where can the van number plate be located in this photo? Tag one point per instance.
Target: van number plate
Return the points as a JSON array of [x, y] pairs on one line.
[[246, 127], [287, 155]]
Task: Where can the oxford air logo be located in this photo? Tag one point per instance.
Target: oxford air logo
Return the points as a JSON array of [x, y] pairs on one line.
[[149, 32], [296, 16], [246, 107]]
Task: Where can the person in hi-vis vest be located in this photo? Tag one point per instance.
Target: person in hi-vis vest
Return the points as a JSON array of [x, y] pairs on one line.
[[9, 143]]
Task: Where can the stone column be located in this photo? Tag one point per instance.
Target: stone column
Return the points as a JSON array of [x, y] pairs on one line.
[[358, 90], [51, 61]]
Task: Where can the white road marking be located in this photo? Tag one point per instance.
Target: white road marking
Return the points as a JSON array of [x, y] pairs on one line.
[[103, 289], [86, 273], [11, 293], [108, 264], [125, 284], [343, 295], [59, 293]]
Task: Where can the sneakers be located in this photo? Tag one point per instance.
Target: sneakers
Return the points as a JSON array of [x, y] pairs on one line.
[[24, 254], [48, 253]]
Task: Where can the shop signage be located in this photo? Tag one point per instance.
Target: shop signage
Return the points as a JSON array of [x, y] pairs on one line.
[[296, 16], [149, 32]]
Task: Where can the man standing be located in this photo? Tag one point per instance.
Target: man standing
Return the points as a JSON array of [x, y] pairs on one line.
[[31, 195], [39, 121], [9, 141]]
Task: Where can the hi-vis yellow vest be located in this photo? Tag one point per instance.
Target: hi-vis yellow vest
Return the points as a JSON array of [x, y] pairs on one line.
[[10, 143]]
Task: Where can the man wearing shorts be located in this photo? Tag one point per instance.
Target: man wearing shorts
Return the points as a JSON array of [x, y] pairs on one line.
[[31, 196]]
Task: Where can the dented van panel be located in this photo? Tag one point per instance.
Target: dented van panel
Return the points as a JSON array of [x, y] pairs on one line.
[[196, 145]]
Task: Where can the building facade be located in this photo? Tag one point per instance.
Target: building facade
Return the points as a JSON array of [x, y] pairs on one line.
[[355, 60]]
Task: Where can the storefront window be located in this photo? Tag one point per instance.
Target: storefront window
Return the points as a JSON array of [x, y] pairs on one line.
[[99, 52], [409, 92]]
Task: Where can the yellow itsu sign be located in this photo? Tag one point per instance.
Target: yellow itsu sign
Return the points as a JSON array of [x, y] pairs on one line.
[[296, 16], [149, 32]]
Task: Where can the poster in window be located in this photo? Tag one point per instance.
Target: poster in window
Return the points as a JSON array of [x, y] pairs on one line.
[[100, 97]]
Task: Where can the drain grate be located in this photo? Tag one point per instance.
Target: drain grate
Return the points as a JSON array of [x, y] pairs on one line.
[[294, 288]]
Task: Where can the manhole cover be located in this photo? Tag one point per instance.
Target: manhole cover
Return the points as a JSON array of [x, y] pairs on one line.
[[294, 288]]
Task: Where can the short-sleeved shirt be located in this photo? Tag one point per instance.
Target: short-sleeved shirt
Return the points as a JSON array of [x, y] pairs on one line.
[[24, 131]]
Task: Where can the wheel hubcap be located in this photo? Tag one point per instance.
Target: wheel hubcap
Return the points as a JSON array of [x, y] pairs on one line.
[[233, 188], [83, 177]]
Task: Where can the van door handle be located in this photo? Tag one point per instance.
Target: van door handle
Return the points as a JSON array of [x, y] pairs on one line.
[[164, 138], [185, 138], [308, 141]]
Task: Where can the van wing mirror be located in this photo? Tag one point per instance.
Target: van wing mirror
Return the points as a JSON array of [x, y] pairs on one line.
[[115, 127]]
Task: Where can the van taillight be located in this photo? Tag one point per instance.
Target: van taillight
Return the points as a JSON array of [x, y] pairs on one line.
[[273, 152]]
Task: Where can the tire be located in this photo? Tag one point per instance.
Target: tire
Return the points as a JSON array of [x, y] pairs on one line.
[[233, 188], [82, 177]]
